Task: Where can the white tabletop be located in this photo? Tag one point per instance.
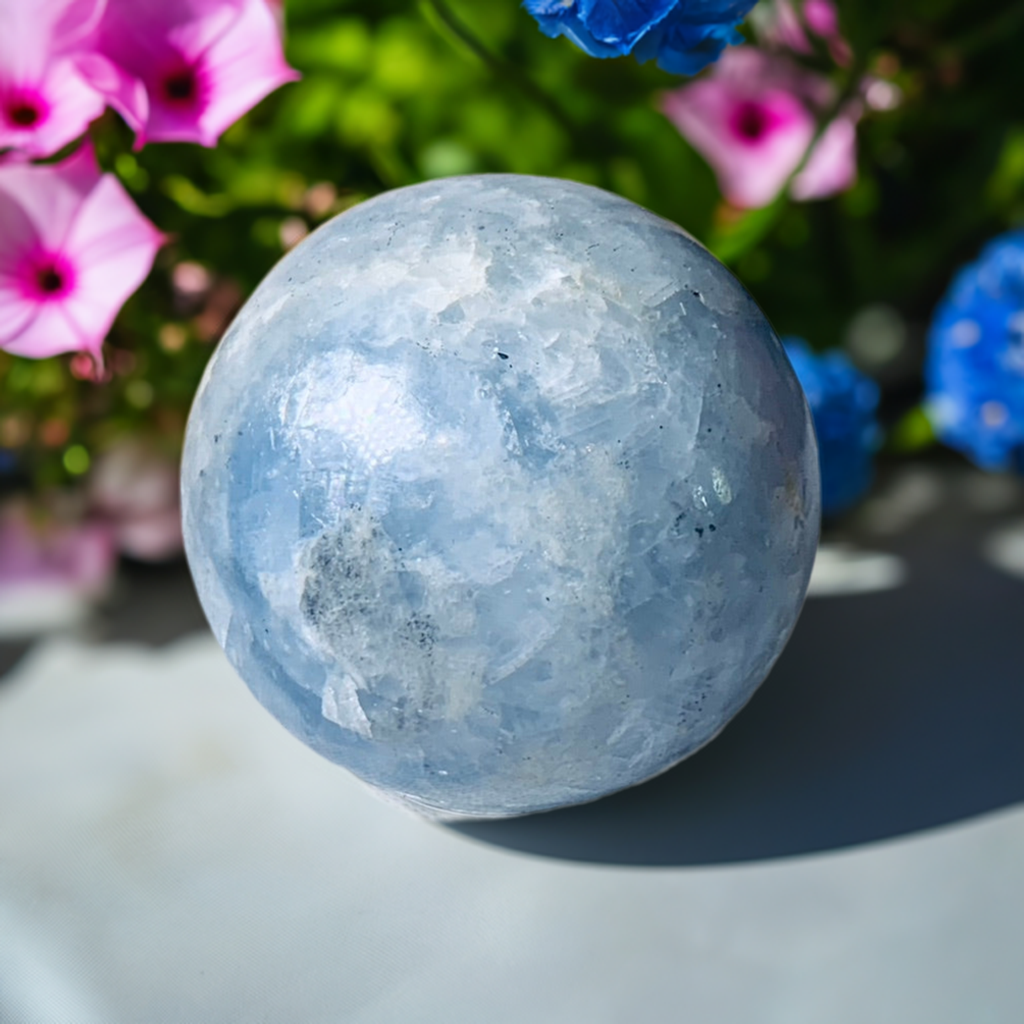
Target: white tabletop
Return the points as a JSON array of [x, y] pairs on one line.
[[169, 854]]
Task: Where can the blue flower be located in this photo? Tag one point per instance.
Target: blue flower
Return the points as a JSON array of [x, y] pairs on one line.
[[843, 403], [682, 35], [975, 367]]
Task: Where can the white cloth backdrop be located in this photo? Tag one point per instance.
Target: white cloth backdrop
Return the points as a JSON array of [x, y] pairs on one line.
[[169, 854]]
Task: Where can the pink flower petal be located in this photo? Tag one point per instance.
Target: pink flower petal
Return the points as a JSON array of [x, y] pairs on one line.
[[73, 21], [243, 66], [18, 233], [26, 40], [822, 18], [134, 33], [18, 239], [49, 332], [204, 63], [80, 557], [782, 26], [17, 314], [113, 246], [124, 92], [832, 165], [750, 69], [277, 10], [73, 247], [786, 29], [45, 197]]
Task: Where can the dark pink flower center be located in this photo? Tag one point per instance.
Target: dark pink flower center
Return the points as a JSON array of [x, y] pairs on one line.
[[24, 109], [48, 277], [23, 115], [181, 87], [751, 121], [50, 280]]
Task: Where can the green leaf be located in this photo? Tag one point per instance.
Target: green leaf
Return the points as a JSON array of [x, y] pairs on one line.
[[191, 200]]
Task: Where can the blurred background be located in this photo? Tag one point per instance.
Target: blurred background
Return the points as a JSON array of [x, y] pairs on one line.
[[398, 91], [168, 853]]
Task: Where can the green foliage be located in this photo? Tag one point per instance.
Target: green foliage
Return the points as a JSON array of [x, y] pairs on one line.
[[397, 91], [912, 433]]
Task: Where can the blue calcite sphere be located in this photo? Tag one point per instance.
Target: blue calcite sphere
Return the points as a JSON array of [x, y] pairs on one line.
[[500, 491]]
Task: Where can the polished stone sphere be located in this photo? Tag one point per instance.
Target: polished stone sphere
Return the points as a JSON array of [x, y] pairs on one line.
[[501, 493]]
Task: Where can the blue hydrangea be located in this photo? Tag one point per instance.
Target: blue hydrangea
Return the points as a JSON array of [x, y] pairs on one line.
[[843, 402], [682, 35], [975, 367]]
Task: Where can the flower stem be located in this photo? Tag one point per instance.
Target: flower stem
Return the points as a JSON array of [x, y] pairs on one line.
[[501, 67], [845, 97]]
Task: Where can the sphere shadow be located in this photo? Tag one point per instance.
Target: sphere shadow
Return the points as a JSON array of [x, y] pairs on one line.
[[151, 603], [888, 713]]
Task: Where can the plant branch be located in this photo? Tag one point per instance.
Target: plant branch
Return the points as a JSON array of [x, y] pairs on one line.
[[501, 67], [845, 97]]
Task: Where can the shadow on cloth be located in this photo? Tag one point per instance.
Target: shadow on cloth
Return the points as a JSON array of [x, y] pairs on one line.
[[887, 713]]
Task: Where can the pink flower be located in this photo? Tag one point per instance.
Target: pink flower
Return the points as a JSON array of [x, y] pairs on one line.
[[81, 556], [73, 247], [753, 119], [50, 574], [782, 24], [822, 18], [136, 491], [782, 27], [277, 9], [185, 71], [832, 165], [45, 99]]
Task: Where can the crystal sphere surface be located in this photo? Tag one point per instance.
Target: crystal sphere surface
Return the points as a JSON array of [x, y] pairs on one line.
[[500, 492]]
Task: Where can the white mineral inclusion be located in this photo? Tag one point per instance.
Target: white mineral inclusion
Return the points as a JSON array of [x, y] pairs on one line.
[[500, 492]]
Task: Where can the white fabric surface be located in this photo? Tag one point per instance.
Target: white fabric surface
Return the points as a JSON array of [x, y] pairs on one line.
[[169, 854]]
